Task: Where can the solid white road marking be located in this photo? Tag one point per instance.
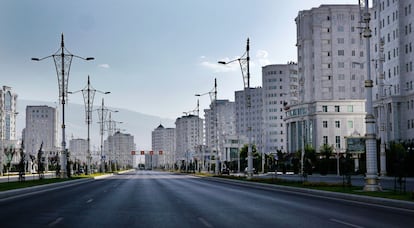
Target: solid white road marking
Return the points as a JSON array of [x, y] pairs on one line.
[[345, 223], [55, 222], [205, 223]]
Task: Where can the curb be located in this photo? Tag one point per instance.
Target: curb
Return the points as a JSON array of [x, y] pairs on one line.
[[41, 188], [103, 176], [325, 194], [48, 187]]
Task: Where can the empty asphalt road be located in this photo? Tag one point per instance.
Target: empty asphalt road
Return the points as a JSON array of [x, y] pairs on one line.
[[158, 199]]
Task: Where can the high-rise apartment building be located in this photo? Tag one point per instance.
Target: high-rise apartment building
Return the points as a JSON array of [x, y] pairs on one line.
[[392, 24], [118, 148], [189, 134], [280, 86], [41, 128], [219, 125], [393, 57], [78, 149], [331, 73], [8, 113], [252, 116], [163, 139]]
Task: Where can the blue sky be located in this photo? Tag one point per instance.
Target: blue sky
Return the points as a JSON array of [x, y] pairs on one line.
[[152, 55]]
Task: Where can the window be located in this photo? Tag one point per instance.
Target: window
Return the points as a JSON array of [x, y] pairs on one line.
[[350, 108], [350, 124], [338, 141], [324, 108], [325, 124], [336, 108], [325, 139], [337, 124], [341, 52], [341, 40], [341, 64]]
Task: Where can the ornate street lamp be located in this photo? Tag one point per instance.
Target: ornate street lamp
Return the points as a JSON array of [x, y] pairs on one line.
[[102, 113], [371, 177], [245, 69], [63, 59], [88, 95], [213, 99]]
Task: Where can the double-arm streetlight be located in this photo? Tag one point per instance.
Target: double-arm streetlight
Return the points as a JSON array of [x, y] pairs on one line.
[[245, 69], [102, 113], [112, 124], [63, 59], [88, 95], [112, 129], [213, 99]]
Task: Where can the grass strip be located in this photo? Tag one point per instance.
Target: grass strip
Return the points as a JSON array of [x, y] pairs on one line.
[[333, 187], [29, 183]]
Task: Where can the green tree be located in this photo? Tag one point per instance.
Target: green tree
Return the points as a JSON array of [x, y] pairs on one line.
[[243, 157], [309, 159], [326, 151], [396, 159]]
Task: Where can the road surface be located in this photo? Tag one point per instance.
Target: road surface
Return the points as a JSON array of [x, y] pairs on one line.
[[157, 199]]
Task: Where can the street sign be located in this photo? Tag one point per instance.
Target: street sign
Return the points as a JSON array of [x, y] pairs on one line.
[[355, 144]]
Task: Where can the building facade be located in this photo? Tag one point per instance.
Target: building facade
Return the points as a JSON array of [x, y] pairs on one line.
[[252, 116], [41, 128], [392, 24], [280, 87], [8, 113], [219, 125], [78, 149], [163, 139], [189, 134], [331, 69], [118, 150]]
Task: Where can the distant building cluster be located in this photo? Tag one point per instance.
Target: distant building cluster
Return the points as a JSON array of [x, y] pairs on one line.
[[320, 99], [40, 142]]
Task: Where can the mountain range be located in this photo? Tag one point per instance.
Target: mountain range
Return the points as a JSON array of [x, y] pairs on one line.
[[137, 124]]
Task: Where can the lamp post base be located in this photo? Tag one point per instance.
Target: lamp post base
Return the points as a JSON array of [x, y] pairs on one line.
[[372, 184]]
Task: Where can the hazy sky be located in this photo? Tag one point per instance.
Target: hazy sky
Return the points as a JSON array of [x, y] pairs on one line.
[[153, 55]]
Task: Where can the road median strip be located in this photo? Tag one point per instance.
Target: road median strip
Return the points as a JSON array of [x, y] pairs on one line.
[[402, 204]]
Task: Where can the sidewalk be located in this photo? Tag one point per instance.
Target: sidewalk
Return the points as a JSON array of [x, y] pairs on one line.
[[13, 177], [356, 180]]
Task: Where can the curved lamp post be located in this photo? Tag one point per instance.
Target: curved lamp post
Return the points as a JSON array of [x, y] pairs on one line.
[[102, 113], [63, 59], [245, 69], [213, 99], [88, 95]]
